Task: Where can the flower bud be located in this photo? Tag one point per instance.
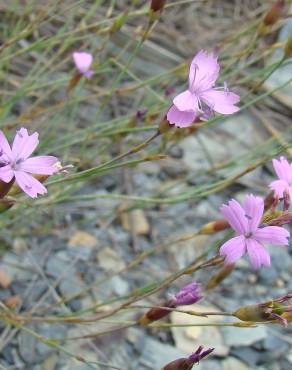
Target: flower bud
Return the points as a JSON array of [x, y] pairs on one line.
[[119, 22], [187, 363], [157, 6], [281, 220], [214, 227], [286, 200], [272, 310], [220, 276], [269, 200], [74, 81], [156, 313], [272, 16], [187, 295], [5, 187]]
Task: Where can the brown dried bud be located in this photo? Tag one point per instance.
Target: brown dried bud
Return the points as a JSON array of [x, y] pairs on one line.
[[179, 364], [269, 200], [187, 363], [156, 313], [73, 82], [272, 16], [274, 13], [220, 276], [157, 5], [214, 227], [5, 187]]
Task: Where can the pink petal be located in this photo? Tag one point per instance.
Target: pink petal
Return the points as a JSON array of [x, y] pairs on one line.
[[180, 119], [235, 215], [4, 146], [29, 184], [24, 144], [186, 101], [42, 165], [283, 169], [254, 209], [6, 173], [204, 71], [272, 234], [279, 186], [89, 73], [221, 101], [233, 249], [258, 255], [82, 61]]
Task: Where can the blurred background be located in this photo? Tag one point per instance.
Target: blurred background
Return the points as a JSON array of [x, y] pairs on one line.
[[102, 234]]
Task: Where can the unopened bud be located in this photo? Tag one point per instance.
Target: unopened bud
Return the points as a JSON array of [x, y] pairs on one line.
[[74, 81], [286, 200], [269, 200], [119, 22], [157, 5], [187, 295], [220, 276], [214, 227], [272, 16], [273, 310], [187, 363], [288, 48], [156, 313], [5, 187], [281, 220], [251, 313]]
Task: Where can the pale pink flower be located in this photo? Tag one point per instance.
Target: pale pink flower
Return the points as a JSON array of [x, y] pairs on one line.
[[15, 162], [202, 99], [189, 294], [250, 235], [83, 62], [283, 170]]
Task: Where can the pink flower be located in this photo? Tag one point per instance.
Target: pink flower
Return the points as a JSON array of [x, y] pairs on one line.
[[16, 163], [83, 63], [250, 236], [283, 170], [202, 99], [189, 294]]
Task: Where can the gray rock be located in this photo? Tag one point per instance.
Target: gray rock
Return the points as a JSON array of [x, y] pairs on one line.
[[156, 354], [232, 363], [70, 287], [59, 265], [27, 347], [209, 365], [248, 355], [246, 337], [80, 252], [120, 286], [275, 347], [286, 365], [49, 331]]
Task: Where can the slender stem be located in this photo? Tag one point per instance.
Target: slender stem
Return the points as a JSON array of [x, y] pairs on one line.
[[188, 312], [135, 149]]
